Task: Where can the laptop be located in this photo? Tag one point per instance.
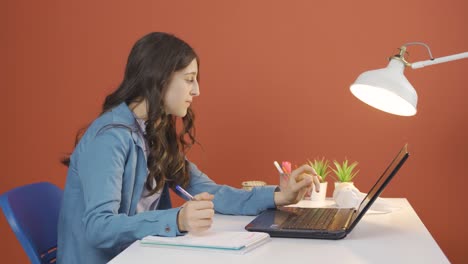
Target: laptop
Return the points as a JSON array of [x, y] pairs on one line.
[[323, 223]]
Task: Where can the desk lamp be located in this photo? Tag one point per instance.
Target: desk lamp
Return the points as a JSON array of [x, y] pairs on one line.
[[387, 89]]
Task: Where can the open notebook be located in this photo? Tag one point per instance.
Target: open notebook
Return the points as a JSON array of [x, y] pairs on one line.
[[229, 242]]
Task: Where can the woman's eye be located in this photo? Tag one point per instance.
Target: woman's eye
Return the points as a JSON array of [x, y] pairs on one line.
[[191, 81]]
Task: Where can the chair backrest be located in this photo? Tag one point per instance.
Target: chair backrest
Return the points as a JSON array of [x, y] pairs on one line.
[[32, 212]]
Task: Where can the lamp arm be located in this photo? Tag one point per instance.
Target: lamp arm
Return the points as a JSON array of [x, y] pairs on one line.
[[421, 44], [421, 64]]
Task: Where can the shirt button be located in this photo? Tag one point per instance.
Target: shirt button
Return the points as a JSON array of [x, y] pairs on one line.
[[167, 229]]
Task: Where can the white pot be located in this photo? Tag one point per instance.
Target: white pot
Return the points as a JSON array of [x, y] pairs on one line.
[[346, 195], [340, 185], [321, 195]]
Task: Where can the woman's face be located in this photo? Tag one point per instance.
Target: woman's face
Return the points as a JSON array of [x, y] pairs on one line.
[[181, 90]]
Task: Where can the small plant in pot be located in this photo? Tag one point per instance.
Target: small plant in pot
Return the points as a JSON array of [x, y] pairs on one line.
[[344, 173], [321, 168]]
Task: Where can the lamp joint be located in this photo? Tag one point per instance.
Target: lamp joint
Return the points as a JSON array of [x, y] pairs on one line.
[[401, 56]]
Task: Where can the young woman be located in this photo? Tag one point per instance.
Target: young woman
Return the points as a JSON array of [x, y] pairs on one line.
[[122, 167]]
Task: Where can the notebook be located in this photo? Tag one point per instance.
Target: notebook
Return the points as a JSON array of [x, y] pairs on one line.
[[323, 223], [229, 242]]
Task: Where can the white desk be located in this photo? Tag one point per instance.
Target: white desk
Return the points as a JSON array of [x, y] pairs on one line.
[[397, 237]]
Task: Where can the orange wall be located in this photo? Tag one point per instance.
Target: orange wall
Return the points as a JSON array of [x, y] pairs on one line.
[[275, 78]]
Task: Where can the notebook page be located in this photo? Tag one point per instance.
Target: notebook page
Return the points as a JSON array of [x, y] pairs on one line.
[[210, 239]]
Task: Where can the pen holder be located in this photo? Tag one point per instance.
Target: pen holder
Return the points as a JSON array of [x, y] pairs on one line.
[[321, 195], [248, 185]]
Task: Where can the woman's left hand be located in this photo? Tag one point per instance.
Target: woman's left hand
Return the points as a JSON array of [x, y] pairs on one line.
[[300, 180]]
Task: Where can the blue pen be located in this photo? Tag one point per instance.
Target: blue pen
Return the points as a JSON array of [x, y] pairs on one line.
[[187, 195]]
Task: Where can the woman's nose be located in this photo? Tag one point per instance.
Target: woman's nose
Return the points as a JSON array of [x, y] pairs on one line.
[[196, 90]]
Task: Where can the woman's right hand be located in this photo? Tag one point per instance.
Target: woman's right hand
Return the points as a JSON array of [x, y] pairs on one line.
[[196, 215]]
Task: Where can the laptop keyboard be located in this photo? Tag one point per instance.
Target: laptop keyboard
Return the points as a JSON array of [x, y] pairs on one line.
[[311, 218]]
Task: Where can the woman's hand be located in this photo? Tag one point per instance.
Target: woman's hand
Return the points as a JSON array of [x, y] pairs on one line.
[[300, 180], [196, 215]]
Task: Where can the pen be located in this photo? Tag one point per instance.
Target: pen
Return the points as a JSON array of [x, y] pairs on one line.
[[187, 195], [278, 167]]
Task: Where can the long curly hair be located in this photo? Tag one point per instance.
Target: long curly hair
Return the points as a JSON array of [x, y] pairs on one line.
[[151, 64]]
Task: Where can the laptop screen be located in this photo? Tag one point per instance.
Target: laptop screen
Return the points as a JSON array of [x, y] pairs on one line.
[[381, 183]]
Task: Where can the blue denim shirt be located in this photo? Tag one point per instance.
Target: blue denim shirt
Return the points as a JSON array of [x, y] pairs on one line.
[[104, 183]]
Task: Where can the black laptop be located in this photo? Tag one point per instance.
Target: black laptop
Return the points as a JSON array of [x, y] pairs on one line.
[[323, 223]]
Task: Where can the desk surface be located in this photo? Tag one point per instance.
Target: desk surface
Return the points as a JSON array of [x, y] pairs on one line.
[[397, 237]]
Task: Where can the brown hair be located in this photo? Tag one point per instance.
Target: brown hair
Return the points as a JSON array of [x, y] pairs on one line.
[[151, 64]]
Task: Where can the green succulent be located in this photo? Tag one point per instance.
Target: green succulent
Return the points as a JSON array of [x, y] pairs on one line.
[[343, 172], [321, 167]]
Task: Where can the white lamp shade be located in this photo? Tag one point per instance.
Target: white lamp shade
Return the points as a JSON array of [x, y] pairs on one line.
[[387, 89]]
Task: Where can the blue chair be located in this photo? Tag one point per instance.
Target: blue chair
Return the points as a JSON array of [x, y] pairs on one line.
[[32, 212]]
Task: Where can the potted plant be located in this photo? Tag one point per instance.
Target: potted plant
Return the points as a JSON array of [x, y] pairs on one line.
[[344, 173], [321, 168]]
